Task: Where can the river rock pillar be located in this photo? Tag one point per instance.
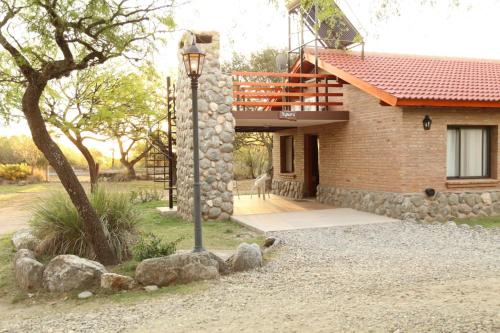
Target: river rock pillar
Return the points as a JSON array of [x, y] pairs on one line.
[[216, 131]]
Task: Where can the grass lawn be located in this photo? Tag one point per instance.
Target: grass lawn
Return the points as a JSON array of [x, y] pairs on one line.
[[220, 235], [217, 235], [487, 222]]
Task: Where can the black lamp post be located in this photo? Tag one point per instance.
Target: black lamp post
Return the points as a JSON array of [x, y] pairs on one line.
[[193, 61]]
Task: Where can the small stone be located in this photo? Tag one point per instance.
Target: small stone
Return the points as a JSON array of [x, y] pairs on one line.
[[269, 241], [85, 294], [213, 106], [151, 288], [25, 239], [116, 282], [486, 198]]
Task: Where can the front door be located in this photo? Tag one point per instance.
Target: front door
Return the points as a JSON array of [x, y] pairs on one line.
[[311, 165]]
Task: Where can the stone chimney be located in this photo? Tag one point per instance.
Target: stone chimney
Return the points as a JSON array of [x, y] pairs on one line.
[[216, 132]]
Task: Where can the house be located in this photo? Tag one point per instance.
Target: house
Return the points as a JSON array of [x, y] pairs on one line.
[[412, 137]]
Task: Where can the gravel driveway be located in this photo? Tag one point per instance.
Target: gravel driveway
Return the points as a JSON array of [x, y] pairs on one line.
[[386, 277]]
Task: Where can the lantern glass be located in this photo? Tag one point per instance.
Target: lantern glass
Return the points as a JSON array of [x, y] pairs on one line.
[[193, 61], [427, 122]]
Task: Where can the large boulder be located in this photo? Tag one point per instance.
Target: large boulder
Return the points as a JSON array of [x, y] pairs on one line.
[[116, 282], [27, 270], [70, 272], [247, 257], [25, 239], [177, 268]]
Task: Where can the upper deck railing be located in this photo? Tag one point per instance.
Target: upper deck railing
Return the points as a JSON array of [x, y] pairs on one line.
[[268, 91]]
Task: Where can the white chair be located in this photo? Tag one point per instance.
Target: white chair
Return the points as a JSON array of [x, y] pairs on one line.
[[260, 185]]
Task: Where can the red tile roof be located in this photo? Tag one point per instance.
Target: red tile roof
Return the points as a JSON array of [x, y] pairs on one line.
[[423, 80]]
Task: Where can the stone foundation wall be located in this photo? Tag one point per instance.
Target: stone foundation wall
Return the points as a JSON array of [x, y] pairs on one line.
[[288, 188], [444, 206], [216, 132]]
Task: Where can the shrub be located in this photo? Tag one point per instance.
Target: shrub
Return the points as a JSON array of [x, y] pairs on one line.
[[14, 171], [150, 246], [146, 196], [57, 223]]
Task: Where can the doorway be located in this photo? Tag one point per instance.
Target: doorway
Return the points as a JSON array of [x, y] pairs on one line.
[[311, 165]]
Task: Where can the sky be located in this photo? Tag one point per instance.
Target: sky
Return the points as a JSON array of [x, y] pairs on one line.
[[247, 26]]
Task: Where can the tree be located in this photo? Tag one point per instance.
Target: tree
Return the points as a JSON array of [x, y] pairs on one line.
[[129, 111], [263, 61], [72, 105], [45, 40], [20, 149]]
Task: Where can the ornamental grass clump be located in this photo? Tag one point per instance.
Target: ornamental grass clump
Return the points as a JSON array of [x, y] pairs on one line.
[[57, 223]]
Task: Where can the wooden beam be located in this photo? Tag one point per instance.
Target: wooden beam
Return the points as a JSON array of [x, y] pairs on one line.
[[355, 81], [287, 84], [301, 115], [264, 104], [256, 94], [285, 75]]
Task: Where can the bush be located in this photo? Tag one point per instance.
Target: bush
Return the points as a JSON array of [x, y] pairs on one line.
[[57, 223], [146, 196], [150, 246], [14, 171]]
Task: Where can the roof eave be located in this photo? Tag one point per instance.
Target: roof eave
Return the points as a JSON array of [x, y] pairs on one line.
[[351, 79], [447, 103], [390, 99]]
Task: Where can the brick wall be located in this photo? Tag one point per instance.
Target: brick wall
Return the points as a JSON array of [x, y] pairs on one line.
[[383, 148], [424, 152]]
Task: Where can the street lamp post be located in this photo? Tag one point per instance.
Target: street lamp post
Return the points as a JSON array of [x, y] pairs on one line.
[[193, 61]]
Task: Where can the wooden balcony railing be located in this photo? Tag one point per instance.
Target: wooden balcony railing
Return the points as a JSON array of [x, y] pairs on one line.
[[267, 91]]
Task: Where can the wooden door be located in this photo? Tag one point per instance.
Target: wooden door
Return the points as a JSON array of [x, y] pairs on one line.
[[311, 165]]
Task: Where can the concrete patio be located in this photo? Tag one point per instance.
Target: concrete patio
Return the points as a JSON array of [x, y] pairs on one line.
[[278, 214]]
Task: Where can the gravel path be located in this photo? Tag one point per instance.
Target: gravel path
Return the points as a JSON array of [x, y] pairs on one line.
[[386, 277]]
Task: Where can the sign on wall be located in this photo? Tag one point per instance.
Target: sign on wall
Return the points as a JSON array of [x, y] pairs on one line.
[[288, 115]]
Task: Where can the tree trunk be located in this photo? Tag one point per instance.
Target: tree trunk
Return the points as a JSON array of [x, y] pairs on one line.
[[130, 168], [92, 225], [93, 166]]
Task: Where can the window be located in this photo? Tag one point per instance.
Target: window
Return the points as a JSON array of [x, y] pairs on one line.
[[468, 152], [286, 154]]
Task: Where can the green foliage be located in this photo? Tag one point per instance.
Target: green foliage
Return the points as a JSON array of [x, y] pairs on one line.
[[20, 149], [14, 171], [250, 162], [262, 61], [147, 195], [57, 223], [151, 246], [59, 37]]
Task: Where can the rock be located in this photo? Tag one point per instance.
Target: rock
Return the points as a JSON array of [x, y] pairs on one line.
[[23, 253], [28, 272], [247, 257], [214, 212], [224, 268], [453, 199], [117, 282], [85, 294], [70, 272], [177, 268], [486, 198], [25, 239], [269, 241], [151, 288], [451, 224]]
